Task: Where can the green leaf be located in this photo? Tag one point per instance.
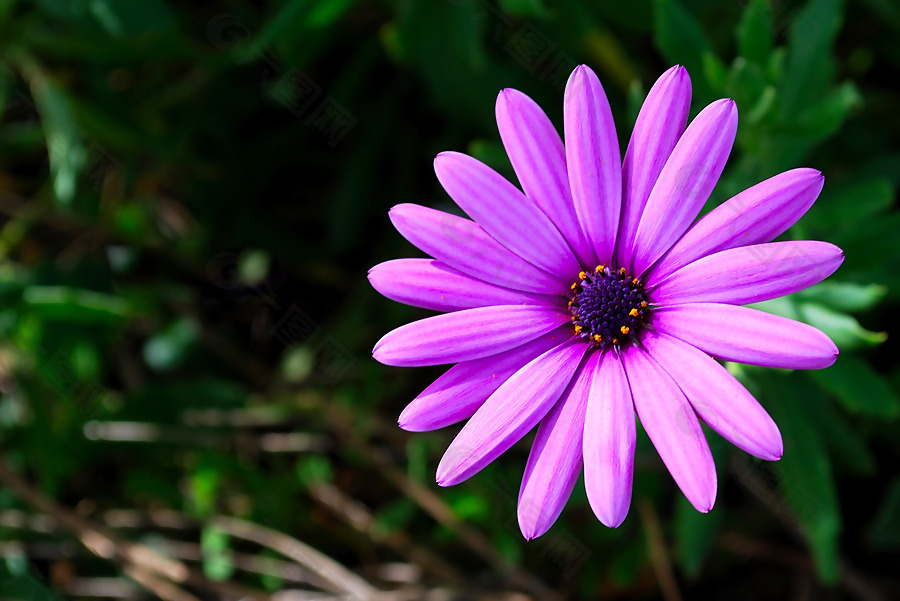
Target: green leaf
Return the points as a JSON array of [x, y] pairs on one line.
[[805, 476], [73, 304], [754, 32], [885, 532], [65, 149], [168, 349], [680, 38], [823, 118], [746, 83], [810, 67], [525, 8], [313, 470], [851, 204], [695, 534], [846, 445], [217, 563], [326, 12], [858, 387], [843, 329], [290, 19], [126, 17], [844, 296]]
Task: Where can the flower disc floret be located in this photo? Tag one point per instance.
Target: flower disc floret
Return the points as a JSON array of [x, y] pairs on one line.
[[608, 306]]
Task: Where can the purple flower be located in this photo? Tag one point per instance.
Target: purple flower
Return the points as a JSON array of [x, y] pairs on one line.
[[588, 295]]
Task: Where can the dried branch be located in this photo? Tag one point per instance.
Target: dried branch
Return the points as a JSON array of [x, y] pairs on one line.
[[659, 556], [340, 579]]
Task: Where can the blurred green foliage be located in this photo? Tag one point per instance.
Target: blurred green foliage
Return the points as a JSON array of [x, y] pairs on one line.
[[190, 197]]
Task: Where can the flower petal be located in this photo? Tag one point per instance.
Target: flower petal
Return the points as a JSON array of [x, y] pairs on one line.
[[539, 159], [673, 428], [750, 274], [756, 215], [609, 440], [717, 397], [505, 213], [466, 335], [463, 245], [685, 182], [433, 285], [594, 161], [555, 459], [747, 335], [656, 131], [508, 414], [458, 393]]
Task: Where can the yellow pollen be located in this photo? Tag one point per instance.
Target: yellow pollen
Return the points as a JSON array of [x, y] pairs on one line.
[[624, 329], [575, 285], [634, 281], [578, 329], [582, 275], [615, 341], [600, 268], [633, 312], [623, 271], [597, 338], [643, 303]]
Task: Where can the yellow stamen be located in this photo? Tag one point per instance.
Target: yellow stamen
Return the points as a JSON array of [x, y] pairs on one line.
[[615, 341], [634, 281], [597, 338], [643, 303], [575, 285], [600, 268], [633, 312], [625, 330], [582, 275], [623, 271], [578, 329]]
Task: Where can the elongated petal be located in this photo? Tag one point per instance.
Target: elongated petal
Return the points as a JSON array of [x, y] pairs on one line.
[[747, 335], [539, 159], [673, 428], [592, 154], [433, 285], [609, 441], [466, 335], [463, 245], [750, 274], [508, 414], [756, 215], [505, 213], [686, 181], [658, 127], [458, 393], [555, 460], [717, 397]]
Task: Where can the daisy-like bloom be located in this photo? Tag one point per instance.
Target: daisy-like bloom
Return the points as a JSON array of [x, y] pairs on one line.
[[588, 296]]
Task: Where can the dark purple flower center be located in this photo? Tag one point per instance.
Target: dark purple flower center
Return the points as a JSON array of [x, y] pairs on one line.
[[608, 306]]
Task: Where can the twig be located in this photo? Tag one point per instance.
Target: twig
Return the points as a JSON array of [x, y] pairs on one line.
[[158, 586], [659, 556], [851, 579], [359, 517], [151, 567], [437, 508], [340, 578]]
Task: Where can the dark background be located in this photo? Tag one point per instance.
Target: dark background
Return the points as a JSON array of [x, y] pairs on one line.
[[190, 197]]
